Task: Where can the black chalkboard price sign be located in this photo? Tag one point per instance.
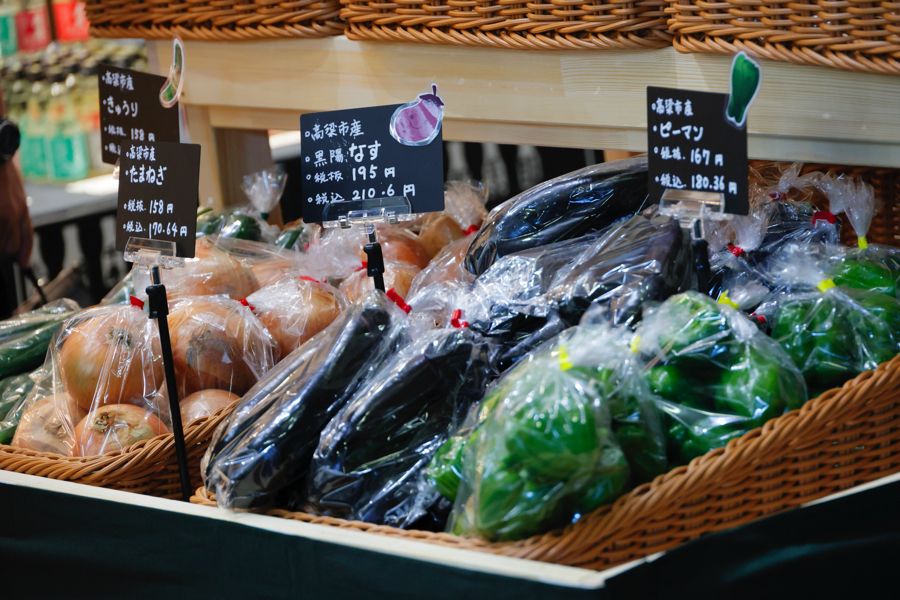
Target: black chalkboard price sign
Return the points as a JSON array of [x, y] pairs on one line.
[[350, 155], [158, 194], [130, 111], [691, 145]]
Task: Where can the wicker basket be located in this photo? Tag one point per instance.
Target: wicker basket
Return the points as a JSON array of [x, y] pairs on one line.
[[148, 467], [845, 437], [214, 19], [556, 24], [858, 35]]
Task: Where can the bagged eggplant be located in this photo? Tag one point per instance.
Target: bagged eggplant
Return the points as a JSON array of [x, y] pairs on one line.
[[717, 375], [787, 203], [645, 258], [735, 273], [101, 392], [526, 298], [563, 432], [832, 333], [371, 458], [261, 454], [294, 309], [565, 207]]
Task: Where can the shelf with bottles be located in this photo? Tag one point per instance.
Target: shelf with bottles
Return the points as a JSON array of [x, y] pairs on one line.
[[53, 96]]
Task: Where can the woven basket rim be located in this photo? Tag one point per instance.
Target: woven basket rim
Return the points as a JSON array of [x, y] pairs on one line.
[[836, 402]]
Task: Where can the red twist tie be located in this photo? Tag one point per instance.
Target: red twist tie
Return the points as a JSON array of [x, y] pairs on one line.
[[775, 195], [308, 278], [759, 318], [471, 229], [736, 250], [824, 215], [398, 300], [136, 302], [247, 304], [362, 267]]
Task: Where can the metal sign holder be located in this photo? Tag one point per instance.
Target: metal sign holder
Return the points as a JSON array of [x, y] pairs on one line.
[[691, 209], [367, 214], [156, 254]]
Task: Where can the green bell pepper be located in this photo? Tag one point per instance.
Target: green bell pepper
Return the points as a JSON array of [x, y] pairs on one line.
[[862, 274], [445, 468], [243, 227]]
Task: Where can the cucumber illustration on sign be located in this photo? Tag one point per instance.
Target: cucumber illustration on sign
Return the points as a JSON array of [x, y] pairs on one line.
[[417, 123], [171, 89], [745, 78]]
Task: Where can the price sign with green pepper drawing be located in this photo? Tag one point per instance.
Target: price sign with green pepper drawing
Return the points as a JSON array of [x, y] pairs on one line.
[[697, 141]]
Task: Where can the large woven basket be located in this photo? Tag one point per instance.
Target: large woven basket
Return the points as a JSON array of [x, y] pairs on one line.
[[214, 19], [845, 437], [554, 24], [148, 467], [849, 34]]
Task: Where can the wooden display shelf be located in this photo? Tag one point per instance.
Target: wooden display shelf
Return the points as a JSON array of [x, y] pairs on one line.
[[578, 99]]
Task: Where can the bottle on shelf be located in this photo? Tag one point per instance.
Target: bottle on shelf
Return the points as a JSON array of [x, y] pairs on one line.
[[33, 127], [33, 26], [9, 44], [68, 148]]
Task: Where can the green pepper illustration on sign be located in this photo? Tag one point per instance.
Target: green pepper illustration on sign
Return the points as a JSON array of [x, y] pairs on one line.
[[745, 77]]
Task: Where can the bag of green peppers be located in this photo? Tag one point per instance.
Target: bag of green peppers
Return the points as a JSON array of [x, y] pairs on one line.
[[831, 332], [565, 431], [866, 267], [716, 374]]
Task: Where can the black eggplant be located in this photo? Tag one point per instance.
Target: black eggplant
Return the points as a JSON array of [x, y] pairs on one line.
[[264, 451], [563, 208], [644, 258], [371, 458]]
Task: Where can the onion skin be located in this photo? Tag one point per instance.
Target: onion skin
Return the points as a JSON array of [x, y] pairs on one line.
[[115, 427], [105, 359], [204, 403]]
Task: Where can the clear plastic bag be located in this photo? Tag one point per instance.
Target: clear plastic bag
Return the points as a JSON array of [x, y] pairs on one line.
[[260, 455], [645, 258], [734, 269], [832, 333], [446, 266], [267, 263], [263, 190], [24, 339], [294, 309], [100, 394], [212, 271], [868, 266], [717, 375], [370, 460], [298, 236], [562, 208], [13, 392], [528, 297], [217, 343], [553, 439]]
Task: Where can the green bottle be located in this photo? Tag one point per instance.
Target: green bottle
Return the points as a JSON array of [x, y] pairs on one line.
[[69, 159]]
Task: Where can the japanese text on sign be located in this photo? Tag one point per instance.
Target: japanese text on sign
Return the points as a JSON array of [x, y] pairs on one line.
[[158, 194], [691, 146], [350, 156], [130, 111]]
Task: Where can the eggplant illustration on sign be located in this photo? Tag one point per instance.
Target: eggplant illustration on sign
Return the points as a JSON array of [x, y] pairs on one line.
[[417, 123], [745, 76]]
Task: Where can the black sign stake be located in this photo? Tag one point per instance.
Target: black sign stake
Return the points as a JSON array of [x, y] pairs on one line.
[[159, 309], [374, 259]]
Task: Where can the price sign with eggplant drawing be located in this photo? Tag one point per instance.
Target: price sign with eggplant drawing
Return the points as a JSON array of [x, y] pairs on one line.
[[358, 154]]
